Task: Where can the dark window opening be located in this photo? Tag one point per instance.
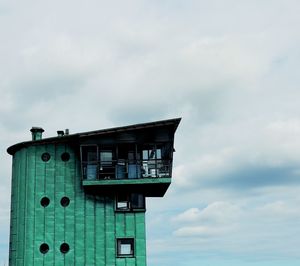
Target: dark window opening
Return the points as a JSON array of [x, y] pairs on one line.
[[64, 248], [45, 156], [89, 153], [44, 248], [65, 156], [130, 202], [126, 161], [89, 162], [125, 247], [65, 201], [137, 201], [45, 201], [121, 169]]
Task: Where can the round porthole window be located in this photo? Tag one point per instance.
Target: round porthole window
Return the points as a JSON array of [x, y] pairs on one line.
[[45, 201], [44, 248], [65, 201], [46, 156], [64, 248], [65, 156]]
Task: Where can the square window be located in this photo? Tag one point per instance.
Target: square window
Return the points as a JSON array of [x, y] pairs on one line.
[[125, 247], [130, 202]]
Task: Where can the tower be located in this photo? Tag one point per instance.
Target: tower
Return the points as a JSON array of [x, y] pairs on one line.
[[79, 199]]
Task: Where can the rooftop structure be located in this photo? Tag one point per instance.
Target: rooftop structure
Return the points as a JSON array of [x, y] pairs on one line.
[[80, 199]]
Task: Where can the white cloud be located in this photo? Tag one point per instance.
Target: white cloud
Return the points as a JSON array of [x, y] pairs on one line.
[[250, 228], [189, 215], [201, 231], [229, 69], [217, 219], [205, 166], [216, 212]]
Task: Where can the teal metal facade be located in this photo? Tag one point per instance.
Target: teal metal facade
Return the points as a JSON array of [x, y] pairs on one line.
[[58, 218]]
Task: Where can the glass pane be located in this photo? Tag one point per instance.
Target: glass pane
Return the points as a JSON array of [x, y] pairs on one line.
[[137, 201], [122, 205], [145, 154], [91, 171], [91, 156], [158, 154], [125, 249], [106, 157], [152, 154], [134, 171], [121, 170], [166, 151], [89, 153]]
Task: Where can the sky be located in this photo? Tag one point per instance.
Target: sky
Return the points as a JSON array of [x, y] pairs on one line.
[[230, 69]]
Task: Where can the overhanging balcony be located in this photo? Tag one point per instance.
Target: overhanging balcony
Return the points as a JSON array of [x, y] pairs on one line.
[[151, 177]]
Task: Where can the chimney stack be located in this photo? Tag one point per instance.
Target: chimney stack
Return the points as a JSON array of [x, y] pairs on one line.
[[36, 133]]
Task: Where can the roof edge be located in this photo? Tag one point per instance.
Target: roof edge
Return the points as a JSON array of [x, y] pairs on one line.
[[175, 122]]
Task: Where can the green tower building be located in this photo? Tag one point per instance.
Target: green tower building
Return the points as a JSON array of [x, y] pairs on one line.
[[79, 199]]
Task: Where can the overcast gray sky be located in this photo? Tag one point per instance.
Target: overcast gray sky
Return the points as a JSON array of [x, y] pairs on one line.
[[230, 69]]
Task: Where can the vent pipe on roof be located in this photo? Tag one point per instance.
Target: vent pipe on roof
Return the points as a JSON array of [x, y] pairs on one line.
[[67, 131], [36, 133], [60, 133]]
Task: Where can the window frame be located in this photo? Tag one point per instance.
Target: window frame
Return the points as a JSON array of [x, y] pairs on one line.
[[122, 198], [126, 160], [131, 242], [137, 207], [128, 198], [85, 163]]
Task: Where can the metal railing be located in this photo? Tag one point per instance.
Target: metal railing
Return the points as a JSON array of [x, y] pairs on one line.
[[126, 169]]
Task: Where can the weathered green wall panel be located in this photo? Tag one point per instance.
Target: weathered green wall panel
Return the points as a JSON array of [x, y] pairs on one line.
[[89, 230], [120, 262], [109, 231], [79, 203], [131, 262], [21, 208], [120, 224], [79, 229], [140, 231], [29, 209], [99, 231], [129, 225], [13, 212], [89, 224], [49, 211]]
